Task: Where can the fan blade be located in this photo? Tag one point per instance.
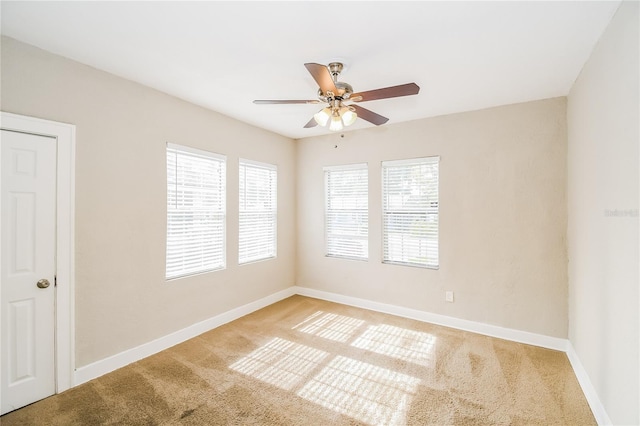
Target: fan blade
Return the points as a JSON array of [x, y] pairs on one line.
[[311, 123], [387, 92], [370, 116], [322, 76], [285, 101]]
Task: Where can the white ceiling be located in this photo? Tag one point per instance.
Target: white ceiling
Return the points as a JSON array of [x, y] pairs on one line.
[[222, 55]]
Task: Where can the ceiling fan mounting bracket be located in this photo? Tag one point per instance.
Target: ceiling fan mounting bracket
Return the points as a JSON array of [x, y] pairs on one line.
[[335, 68]]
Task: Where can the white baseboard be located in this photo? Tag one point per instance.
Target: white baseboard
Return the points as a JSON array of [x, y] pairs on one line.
[[104, 366], [587, 387], [107, 365], [555, 343], [457, 323]]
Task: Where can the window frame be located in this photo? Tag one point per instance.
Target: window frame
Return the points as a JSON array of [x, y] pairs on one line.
[[221, 214], [430, 160], [345, 167], [274, 211]]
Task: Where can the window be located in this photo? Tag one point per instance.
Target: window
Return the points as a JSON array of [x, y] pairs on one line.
[[410, 212], [195, 211], [346, 214], [258, 211]]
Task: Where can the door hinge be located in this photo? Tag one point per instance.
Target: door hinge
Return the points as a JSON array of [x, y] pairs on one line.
[[55, 281]]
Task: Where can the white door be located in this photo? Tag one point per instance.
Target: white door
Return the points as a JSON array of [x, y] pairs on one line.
[[27, 234]]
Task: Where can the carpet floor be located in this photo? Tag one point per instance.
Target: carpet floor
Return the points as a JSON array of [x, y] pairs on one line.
[[304, 361]]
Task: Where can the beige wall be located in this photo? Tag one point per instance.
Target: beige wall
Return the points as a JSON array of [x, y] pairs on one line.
[[603, 177], [122, 299], [502, 216]]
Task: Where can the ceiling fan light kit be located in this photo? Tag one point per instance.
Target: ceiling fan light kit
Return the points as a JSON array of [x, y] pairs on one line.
[[348, 115], [337, 115], [340, 112], [322, 117]]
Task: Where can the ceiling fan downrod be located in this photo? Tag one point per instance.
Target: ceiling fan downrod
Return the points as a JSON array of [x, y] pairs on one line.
[[335, 68]]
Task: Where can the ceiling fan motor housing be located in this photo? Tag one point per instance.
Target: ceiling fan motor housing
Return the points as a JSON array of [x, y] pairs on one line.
[[344, 89], [344, 92]]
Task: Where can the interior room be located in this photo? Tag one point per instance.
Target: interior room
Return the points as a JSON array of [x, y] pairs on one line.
[[521, 120]]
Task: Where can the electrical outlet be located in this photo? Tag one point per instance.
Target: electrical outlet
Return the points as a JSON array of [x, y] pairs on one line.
[[448, 296]]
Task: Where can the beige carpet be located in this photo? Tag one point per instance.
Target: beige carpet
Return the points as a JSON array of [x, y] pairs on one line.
[[304, 361]]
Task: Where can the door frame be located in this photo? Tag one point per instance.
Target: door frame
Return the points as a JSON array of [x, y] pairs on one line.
[[65, 135]]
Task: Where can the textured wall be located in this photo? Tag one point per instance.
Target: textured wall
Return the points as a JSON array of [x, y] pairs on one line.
[[603, 139], [122, 299], [502, 216]]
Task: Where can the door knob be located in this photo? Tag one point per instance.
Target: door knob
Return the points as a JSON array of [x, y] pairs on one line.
[[43, 283]]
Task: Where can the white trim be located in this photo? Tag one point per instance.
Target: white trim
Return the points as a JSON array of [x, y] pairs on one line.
[[434, 159], [339, 167], [196, 151], [259, 164], [106, 365], [519, 336], [65, 135], [587, 387], [460, 324]]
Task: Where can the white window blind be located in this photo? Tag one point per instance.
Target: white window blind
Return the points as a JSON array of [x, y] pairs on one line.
[[346, 211], [410, 212], [258, 211], [195, 211]]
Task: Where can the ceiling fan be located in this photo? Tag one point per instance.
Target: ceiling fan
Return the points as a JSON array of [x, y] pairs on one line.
[[341, 109]]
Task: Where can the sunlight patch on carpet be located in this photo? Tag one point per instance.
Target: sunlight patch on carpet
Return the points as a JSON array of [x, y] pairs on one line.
[[399, 343], [280, 362], [330, 326], [363, 391]]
